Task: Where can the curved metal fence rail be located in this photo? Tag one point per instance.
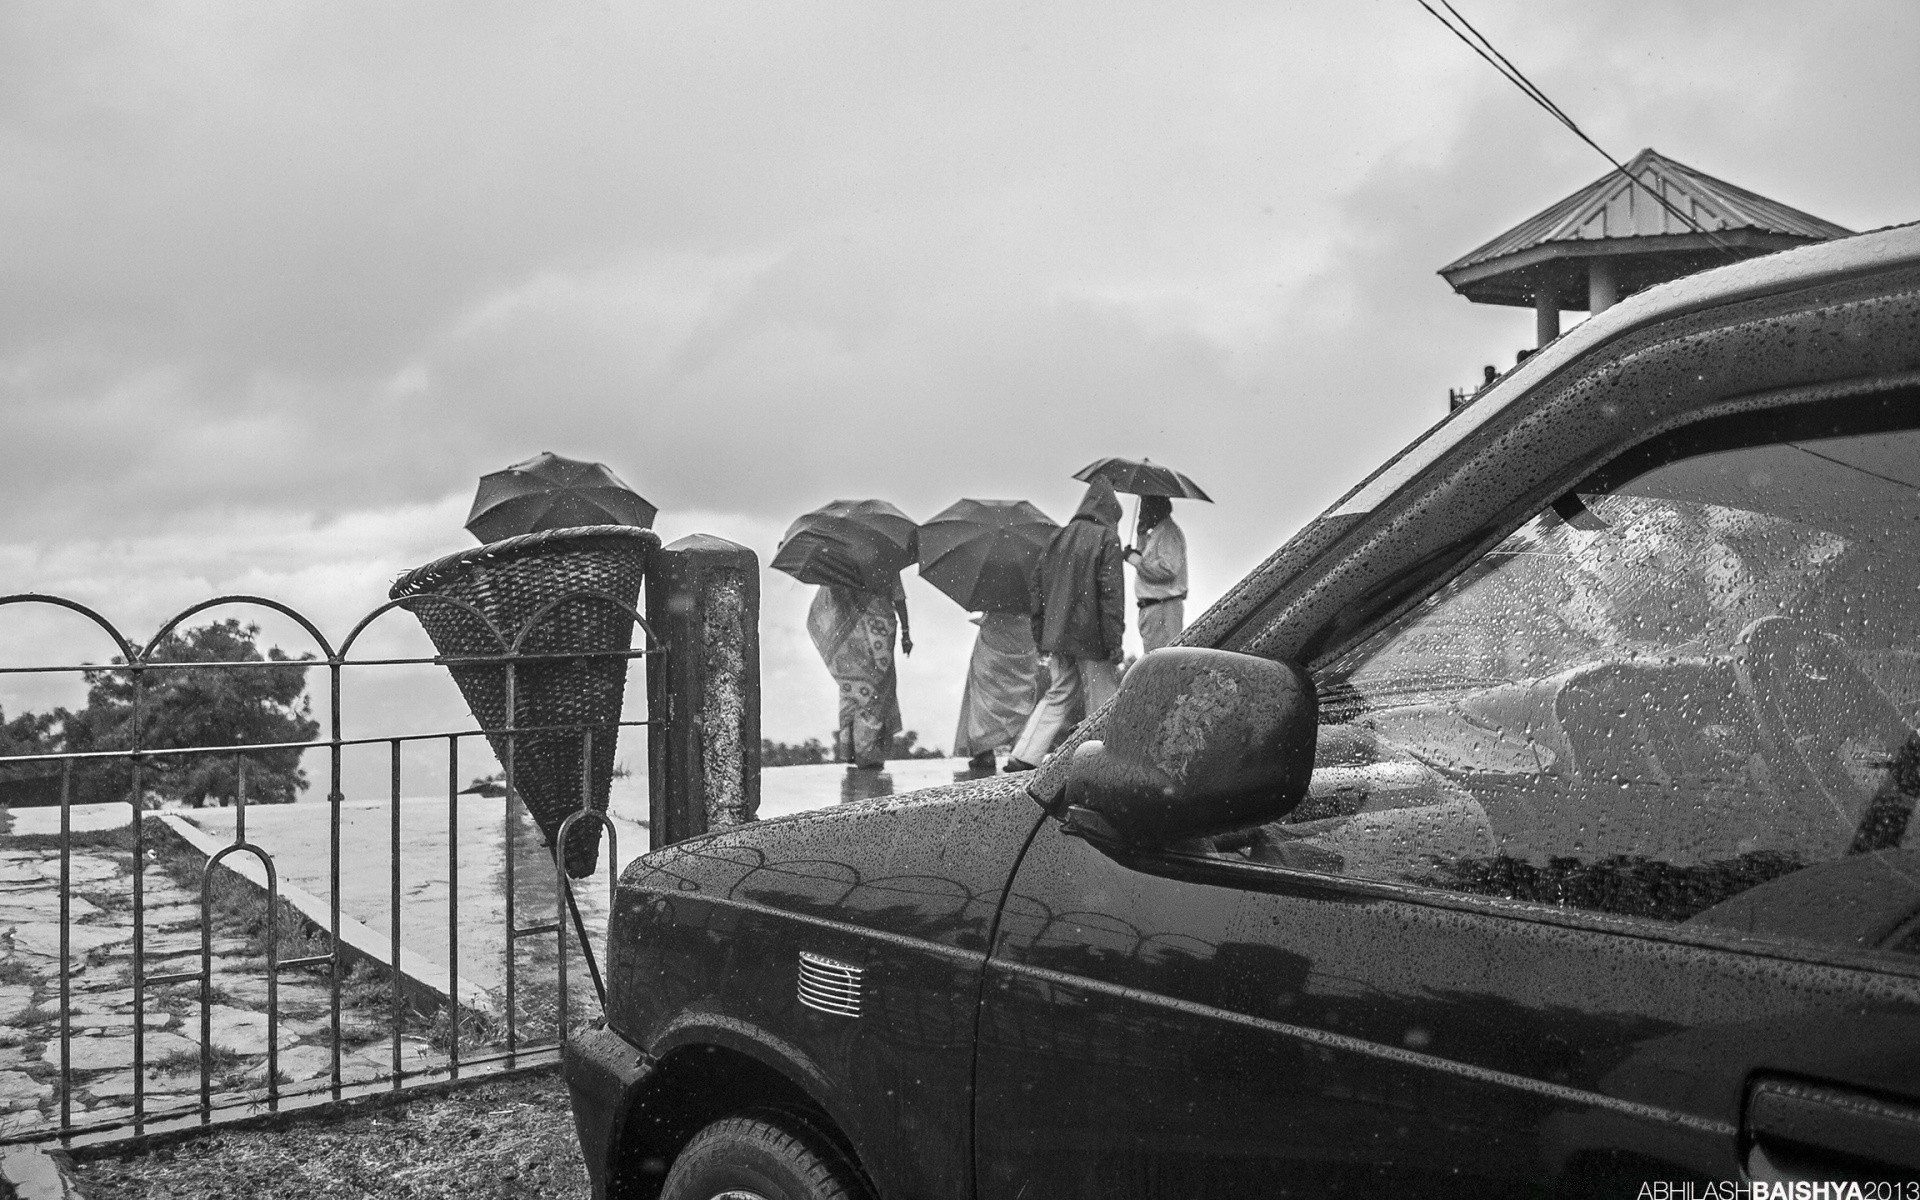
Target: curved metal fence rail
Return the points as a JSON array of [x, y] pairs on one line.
[[132, 1083]]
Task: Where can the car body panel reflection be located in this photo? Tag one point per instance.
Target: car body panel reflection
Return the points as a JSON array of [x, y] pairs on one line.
[[1438, 1049], [717, 927]]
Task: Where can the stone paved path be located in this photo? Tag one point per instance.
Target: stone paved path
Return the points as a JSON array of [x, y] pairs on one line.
[[100, 1014]]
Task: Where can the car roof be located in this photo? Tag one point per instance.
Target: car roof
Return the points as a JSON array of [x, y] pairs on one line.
[[1865, 253]]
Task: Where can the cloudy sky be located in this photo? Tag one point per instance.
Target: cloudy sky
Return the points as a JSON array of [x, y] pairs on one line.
[[277, 282]]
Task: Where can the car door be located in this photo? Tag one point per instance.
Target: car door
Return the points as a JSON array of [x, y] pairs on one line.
[[1602, 878]]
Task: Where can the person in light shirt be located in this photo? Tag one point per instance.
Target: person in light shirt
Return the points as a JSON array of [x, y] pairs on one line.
[[1159, 561]]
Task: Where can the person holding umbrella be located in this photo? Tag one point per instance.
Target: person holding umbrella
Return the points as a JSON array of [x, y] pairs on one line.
[[853, 630], [1159, 555], [1159, 561], [854, 550], [1078, 621], [982, 554], [1004, 682]]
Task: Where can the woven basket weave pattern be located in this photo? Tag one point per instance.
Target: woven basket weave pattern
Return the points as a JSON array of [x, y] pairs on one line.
[[511, 582]]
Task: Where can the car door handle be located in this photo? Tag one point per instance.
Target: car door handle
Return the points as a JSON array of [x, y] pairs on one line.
[[1799, 1130]]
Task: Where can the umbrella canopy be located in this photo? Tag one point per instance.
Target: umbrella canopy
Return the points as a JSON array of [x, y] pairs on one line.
[[849, 543], [982, 553], [550, 492], [1142, 477]]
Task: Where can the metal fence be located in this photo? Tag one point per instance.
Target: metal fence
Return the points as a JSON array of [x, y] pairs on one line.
[[124, 1027]]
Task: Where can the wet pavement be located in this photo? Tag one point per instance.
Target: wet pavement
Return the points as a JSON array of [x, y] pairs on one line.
[[99, 1018], [298, 838]]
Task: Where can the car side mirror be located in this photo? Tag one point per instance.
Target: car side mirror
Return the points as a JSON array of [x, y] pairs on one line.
[[1197, 742]]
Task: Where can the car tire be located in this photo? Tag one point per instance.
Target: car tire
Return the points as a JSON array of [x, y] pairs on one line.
[[761, 1156]]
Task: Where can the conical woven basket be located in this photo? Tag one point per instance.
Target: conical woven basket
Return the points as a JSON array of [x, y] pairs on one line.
[[556, 701]]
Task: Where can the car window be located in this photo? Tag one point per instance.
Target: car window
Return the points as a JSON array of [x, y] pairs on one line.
[[1688, 696]]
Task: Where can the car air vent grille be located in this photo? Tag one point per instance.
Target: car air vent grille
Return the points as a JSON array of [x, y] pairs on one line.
[[831, 987]]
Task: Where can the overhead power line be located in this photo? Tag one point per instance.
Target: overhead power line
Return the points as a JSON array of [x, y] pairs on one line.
[[1479, 44]]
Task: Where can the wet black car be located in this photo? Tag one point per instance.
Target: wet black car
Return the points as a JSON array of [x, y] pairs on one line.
[[1536, 821]]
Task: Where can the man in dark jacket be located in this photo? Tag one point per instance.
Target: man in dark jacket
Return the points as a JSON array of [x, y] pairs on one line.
[[1079, 620]]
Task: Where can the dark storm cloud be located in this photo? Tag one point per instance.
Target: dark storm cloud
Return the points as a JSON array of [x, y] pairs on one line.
[[314, 268]]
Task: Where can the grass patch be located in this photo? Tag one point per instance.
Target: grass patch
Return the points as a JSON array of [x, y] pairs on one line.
[[120, 839], [367, 987], [511, 1137], [237, 906], [226, 1070], [14, 971], [220, 1059], [537, 1004], [475, 1029], [366, 999], [39, 1014], [110, 899]]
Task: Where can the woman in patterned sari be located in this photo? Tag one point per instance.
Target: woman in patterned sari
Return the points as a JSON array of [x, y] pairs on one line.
[[853, 630]]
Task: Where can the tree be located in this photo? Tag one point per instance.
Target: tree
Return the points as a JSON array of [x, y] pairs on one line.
[[903, 746], [30, 782], [29, 733], [487, 785], [812, 751], [197, 707], [780, 754]]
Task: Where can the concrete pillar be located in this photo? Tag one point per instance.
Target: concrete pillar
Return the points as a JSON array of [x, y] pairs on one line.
[[1603, 289], [1546, 317], [703, 694]]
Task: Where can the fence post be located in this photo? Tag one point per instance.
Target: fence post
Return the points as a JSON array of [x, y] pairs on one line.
[[703, 695]]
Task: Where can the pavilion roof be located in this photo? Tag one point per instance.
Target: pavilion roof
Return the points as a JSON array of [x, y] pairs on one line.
[[1620, 216]]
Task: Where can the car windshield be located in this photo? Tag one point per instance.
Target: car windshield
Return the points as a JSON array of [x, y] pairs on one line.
[[1654, 695], [1655, 571]]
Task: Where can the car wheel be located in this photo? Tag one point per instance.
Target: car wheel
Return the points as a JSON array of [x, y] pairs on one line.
[[760, 1156]]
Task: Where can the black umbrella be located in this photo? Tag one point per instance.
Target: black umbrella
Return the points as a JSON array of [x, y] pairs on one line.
[[1142, 477], [549, 492], [982, 553], [849, 543]]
